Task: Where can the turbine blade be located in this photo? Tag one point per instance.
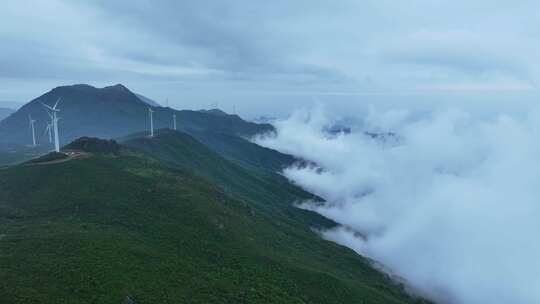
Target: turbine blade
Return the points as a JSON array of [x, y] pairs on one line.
[[46, 106], [57, 102]]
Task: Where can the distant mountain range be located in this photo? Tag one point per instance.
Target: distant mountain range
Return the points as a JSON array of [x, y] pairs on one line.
[[116, 112], [216, 112], [112, 112], [147, 100], [5, 112]]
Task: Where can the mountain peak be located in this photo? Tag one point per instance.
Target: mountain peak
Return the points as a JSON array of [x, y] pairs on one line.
[[81, 86], [217, 112], [118, 86], [111, 112], [86, 87]]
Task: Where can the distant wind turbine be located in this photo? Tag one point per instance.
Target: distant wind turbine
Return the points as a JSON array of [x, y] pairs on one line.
[[54, 110], [151, 112], [174, 120], [32, 122], [48, 129]]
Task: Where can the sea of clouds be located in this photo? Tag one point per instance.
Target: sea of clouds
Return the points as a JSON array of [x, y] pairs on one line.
[[445, 199]]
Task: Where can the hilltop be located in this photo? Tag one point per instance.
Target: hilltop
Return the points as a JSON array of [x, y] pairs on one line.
[[102, 228], [94, 145]]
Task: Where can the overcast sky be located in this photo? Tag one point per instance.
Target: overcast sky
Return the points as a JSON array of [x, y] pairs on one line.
[[270, 56]]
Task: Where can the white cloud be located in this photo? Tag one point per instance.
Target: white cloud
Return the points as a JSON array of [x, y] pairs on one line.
[[452, 205]]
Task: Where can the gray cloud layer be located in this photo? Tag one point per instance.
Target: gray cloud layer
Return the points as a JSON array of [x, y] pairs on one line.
[[240, 51]]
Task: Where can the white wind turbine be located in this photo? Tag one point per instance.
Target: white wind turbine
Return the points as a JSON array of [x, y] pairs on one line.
[[48, 131], [54, 110], [151, 112], [32, 122]]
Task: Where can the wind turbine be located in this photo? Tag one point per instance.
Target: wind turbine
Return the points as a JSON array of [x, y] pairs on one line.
[[151, 112], [174, 120], [32, 122], [54, 110], [48, 131]]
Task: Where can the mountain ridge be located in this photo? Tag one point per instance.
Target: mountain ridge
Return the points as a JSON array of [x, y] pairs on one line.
[[108, 227], [111, 112]]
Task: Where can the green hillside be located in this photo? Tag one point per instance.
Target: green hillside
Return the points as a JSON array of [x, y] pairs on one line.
[[124, 224], [244, 152], [271, 191]]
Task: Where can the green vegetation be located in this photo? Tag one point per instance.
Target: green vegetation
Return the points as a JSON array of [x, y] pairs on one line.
[[99, 229], [244, 152], [269, 190], [94, 145], [50, 157]]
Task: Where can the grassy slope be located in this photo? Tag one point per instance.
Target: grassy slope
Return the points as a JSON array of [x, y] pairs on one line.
[[99, 229], [244, 152], [270, 191]]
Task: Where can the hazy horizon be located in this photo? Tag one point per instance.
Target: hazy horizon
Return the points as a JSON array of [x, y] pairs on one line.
[[271, 58]]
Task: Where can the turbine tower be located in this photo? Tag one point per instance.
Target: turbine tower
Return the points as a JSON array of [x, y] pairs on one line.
[[174, 120], [54, 110], [32, 122], [151, 112]]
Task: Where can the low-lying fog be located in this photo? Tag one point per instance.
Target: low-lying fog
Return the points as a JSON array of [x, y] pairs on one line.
[[445, 199]]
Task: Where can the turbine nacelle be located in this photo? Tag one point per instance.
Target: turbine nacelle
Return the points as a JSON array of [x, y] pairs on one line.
[[53, 108]]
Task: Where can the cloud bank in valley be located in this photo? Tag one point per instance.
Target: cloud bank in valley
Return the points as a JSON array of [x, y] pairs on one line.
[[446, 200]]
